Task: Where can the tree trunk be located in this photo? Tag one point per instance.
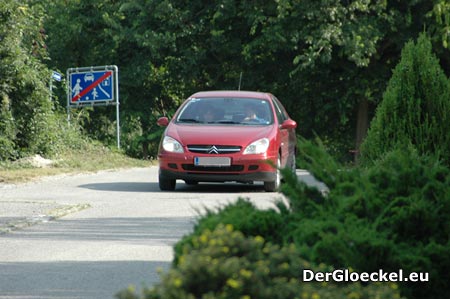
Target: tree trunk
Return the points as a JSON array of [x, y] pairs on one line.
[[362, 125], [145, 150]]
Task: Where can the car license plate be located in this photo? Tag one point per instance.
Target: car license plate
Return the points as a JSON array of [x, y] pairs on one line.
[[212, 161]]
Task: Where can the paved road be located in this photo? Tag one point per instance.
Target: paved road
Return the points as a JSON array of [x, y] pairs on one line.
[[91, 235]]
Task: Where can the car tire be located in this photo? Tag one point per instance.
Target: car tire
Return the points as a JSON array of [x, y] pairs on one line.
[[166, 184], [272, 186]]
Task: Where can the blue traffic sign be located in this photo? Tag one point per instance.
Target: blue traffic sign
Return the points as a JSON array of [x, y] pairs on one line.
[[56, 76], [91, 86]]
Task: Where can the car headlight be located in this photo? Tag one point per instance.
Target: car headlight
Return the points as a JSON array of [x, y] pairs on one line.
[[171, 145], [258, 147]]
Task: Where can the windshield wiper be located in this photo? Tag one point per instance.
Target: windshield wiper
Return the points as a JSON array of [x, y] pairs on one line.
[[227, 122], [188, 120]]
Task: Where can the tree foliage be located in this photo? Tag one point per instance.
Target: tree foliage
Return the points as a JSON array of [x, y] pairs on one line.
[[321, 58], [30, 122], [26, 111]]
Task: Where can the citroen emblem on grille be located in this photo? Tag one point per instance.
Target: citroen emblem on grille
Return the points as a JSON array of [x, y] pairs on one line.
[[213, 150]]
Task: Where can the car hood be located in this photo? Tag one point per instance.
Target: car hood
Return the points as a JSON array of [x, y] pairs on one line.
[[217, 134]]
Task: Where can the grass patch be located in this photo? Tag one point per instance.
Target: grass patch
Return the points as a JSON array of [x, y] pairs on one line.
[[91, 158]]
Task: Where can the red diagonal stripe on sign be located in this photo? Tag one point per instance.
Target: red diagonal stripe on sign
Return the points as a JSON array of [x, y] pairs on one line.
[[90, 87]]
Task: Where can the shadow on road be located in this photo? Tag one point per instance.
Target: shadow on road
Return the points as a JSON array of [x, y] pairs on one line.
[[220, 188], [180, 187], [123, 186], [229, 187]]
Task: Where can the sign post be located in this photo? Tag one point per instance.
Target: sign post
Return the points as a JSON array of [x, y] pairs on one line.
[[93, 86]]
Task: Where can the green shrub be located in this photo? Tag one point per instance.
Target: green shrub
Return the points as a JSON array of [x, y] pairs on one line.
[[393, 215], [226, 264], [244, 216], [415, 108]]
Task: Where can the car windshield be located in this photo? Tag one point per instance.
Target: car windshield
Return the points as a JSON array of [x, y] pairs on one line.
[[241, 111]]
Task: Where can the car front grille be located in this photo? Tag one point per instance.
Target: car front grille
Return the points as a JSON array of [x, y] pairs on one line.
[[214, 149]]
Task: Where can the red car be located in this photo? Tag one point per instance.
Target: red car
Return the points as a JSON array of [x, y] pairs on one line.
[[221, 136]]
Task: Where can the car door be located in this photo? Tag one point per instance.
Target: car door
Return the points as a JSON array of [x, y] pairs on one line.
[[287, 136]]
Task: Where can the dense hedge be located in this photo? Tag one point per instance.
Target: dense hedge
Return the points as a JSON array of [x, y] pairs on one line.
[[393, 215]]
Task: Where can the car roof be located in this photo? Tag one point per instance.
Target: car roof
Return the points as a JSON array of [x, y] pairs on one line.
[[231, 93]]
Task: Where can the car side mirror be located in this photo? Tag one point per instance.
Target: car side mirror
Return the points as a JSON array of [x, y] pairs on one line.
[[163, 121], [288, 124]]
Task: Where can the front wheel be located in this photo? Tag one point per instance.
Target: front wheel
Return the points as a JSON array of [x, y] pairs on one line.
[[272, 186], [166, 184]]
